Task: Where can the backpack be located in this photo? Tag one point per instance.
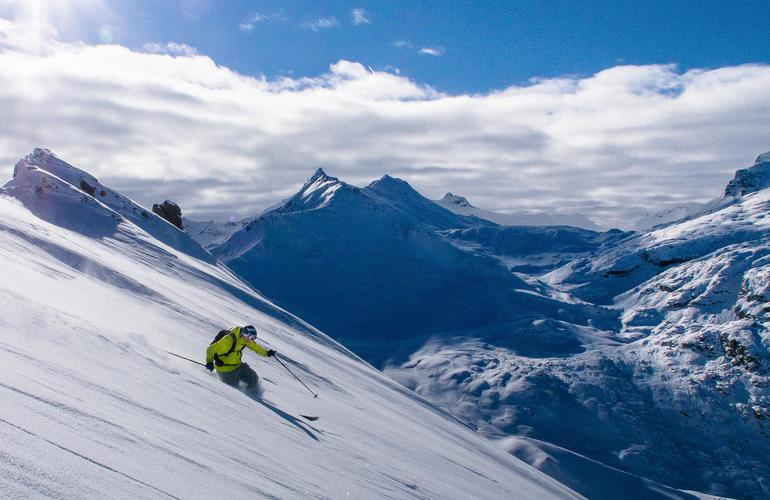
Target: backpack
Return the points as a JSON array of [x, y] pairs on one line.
[[220, 336]]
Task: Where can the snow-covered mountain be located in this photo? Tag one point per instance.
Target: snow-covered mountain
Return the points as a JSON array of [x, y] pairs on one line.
[[667, 216], [746, 181], [460, 205], [752, 179], [212, 233], [42, 172], [95, 288], [641, 355], [370, 267]]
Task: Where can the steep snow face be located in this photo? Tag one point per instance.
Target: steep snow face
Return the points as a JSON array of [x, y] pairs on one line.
[[752, 179], [94, 407], [364, 269], [318, 192], [462, 206], [41, 179]]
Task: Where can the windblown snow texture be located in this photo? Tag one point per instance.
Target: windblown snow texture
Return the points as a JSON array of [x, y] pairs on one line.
[[94, 291]]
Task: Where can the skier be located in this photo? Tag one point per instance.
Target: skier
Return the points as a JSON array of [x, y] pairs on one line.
[[225, 353]]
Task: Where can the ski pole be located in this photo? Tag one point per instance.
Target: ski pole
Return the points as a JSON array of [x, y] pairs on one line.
[[300, 381], [188, 359]]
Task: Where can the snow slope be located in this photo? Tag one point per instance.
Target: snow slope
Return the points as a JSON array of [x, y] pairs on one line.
[[461, 206], [93, 407]]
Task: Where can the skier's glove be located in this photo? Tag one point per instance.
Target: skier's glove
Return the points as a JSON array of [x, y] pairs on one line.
[[209, 366], [270, 353]]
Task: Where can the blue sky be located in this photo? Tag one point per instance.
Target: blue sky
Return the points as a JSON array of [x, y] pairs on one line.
[[481, 46], [608, 109]]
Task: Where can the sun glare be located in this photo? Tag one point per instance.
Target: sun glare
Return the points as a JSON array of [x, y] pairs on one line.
[[69, 18]]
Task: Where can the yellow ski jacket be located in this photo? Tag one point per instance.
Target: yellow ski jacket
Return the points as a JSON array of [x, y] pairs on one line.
[[229, 349]]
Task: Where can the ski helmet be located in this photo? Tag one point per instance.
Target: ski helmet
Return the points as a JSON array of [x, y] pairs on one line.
[[249, 330]]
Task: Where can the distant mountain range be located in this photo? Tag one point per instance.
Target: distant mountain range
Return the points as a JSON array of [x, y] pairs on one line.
[[462, 206]]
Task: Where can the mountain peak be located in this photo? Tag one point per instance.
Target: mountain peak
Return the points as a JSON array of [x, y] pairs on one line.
[[318, 191], [319, 174], [453, 199], [38, 153], [387, 181], [393, 188], [47, 161], [752, 179]]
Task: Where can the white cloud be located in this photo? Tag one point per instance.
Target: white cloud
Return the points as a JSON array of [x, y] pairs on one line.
[[432, 51], [256, 18], [359, 17], [321, 23], [170, 48], [609, 145], [436, 51]]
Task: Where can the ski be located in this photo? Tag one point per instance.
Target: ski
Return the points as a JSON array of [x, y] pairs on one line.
[[312, 419]]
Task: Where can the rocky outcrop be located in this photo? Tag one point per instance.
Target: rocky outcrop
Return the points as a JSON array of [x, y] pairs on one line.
[[752, 179], [170, 211]]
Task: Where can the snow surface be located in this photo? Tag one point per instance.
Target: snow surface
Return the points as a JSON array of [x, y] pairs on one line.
[[461, 206], [92, 294]]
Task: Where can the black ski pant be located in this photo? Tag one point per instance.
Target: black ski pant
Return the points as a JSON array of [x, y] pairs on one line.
[[243, 373]]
